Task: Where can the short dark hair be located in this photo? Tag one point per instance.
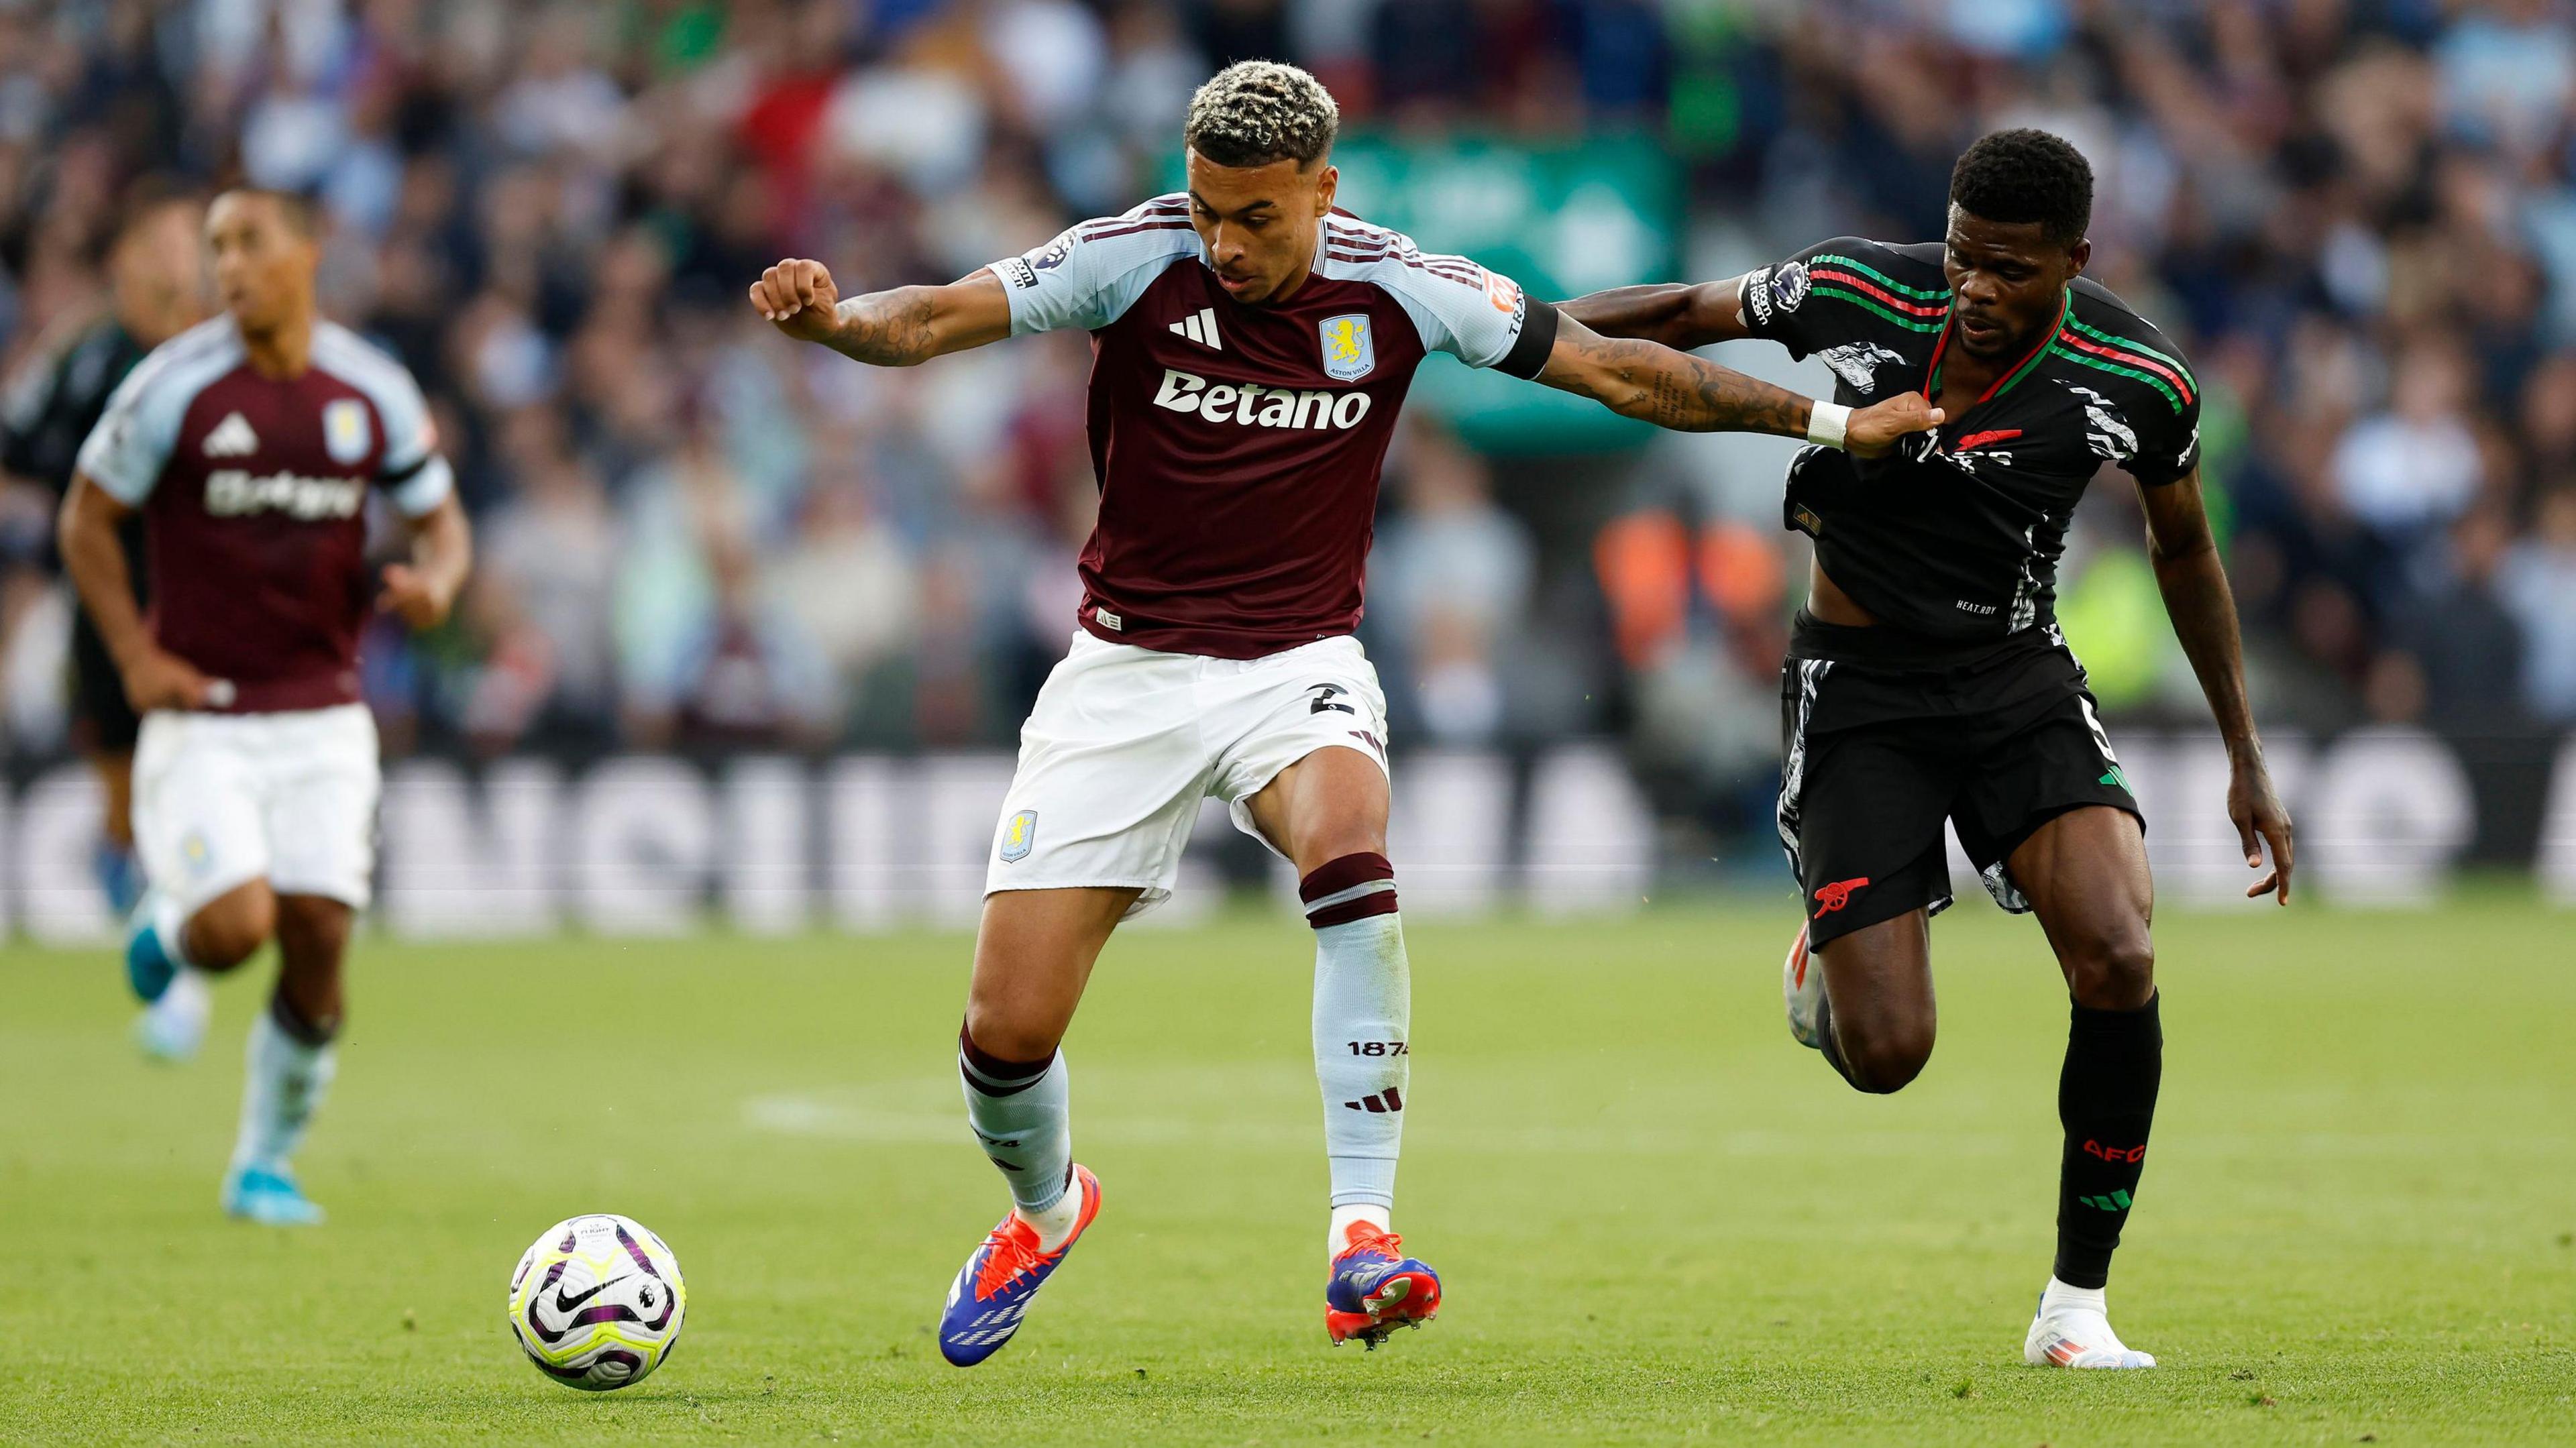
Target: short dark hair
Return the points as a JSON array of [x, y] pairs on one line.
[[2026, 175], [301, 210], [143, 202], [1255, 112]]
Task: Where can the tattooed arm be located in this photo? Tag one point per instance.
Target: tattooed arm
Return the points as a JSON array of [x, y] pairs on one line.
[[1676, 390], [900, 328]]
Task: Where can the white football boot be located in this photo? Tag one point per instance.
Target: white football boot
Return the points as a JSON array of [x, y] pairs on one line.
[[1802, 987], [2070, 1331]]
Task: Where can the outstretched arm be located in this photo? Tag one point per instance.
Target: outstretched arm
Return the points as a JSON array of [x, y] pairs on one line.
[[2194, 584], [1681, 315], [1674, 389], [904, 327]]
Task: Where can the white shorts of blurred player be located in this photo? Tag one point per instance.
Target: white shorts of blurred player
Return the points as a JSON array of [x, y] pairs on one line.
[[221, 799], [1125, 742]]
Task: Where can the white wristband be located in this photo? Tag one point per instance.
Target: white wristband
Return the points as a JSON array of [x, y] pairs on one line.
[[1827, 424]]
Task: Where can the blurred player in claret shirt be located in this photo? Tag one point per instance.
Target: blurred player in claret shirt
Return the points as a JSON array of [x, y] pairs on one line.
[[1254, 345], [250, 445], [157, 288], [1927, 679]]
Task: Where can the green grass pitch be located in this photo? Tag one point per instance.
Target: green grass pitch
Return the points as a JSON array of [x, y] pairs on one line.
[[1659, 1220]]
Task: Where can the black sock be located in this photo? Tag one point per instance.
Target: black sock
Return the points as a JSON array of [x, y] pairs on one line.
[[2106, 1098]]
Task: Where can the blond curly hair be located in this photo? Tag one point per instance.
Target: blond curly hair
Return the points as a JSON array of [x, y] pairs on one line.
[[1255, 112]]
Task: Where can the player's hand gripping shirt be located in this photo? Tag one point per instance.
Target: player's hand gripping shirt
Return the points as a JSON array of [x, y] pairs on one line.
[[253, 491], [1957, 533], [1237, 447]]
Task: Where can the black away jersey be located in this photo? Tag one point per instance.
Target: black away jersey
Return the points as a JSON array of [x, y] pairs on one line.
[[1957, 534], [50, 407]]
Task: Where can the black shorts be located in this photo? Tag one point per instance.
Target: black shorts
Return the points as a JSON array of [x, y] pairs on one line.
[[1887, 735], [101, 719]]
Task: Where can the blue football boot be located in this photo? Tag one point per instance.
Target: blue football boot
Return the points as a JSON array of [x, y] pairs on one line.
[[268, 1196], [993, 1290], [1375, 1289], [148, 967]]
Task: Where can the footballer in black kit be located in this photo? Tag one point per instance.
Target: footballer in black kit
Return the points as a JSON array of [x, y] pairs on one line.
[[49, 410], [157, 289], [1927, 679]]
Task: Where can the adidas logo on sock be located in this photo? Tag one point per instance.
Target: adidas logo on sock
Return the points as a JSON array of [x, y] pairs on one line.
[[1200, 327], [1380, 1102]]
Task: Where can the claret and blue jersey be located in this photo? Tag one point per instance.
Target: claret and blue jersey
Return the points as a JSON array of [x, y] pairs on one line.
[[1238, 446], [1958, 533], [253, 490]]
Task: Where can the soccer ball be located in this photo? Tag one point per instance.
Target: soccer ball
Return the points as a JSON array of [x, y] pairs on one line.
[[597, 1302]]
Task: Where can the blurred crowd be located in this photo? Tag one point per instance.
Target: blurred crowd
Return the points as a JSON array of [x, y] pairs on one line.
[[2358, 215]]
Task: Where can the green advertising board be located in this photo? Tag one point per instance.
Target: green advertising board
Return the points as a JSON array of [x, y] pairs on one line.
[[1561, 219]]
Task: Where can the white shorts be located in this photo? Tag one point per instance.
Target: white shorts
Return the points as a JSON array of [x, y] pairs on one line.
[[1125, 742], [222, 799]]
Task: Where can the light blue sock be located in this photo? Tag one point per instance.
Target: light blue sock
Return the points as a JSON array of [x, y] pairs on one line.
[[1363, 1024], [170, 929], [1022, 1113], [283, 1084]]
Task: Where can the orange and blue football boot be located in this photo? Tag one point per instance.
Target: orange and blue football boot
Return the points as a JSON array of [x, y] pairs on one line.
[[1802, 989], [995, 1287], [1375, 1289]]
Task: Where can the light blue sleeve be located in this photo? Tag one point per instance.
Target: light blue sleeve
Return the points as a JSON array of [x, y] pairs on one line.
[[135, 435], [413, 474], [1094, 272]]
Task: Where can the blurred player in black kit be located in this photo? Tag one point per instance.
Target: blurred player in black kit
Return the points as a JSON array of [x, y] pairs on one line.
[[157, 288]]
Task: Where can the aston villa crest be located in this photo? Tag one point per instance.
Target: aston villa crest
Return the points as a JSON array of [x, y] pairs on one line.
[[1350, 353], [346, 434]]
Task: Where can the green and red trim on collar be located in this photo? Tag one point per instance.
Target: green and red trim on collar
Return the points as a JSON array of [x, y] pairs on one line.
[[2006, 383]]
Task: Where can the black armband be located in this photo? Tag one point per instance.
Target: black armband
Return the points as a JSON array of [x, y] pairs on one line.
[[1528, 356], [392, 477]]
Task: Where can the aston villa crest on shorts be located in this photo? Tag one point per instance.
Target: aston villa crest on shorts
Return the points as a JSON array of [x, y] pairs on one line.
[[1350, 353], [346, 434], [1018, 836]]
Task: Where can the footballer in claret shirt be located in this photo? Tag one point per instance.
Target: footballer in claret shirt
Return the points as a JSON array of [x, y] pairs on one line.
[[251, 445], [1252, 347]]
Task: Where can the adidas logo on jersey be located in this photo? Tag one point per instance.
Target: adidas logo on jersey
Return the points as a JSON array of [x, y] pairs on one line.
[[232, 438], [1249, 403], [1200, 327]]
